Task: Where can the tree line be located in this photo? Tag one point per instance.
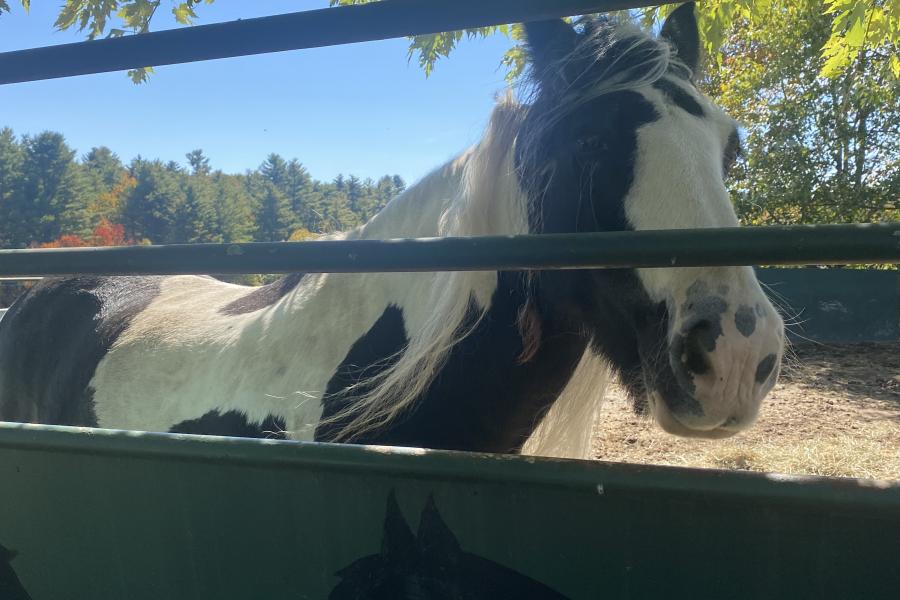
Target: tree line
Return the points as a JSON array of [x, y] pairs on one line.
[[50, 197]]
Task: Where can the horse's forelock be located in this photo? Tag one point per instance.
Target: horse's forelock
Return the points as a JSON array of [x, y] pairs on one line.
[[608, 56]]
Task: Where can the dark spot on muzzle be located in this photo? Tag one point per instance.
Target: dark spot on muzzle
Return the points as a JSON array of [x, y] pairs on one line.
[[765, 368], [745, 320], [702, 303], [700, 334]]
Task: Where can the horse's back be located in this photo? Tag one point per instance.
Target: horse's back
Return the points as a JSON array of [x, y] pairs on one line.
[[52, 339]]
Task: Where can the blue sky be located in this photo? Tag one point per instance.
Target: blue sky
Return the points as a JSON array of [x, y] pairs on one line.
[[357, 109]]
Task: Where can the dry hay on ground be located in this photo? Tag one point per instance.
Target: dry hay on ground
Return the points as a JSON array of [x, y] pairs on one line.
[[835, 411]]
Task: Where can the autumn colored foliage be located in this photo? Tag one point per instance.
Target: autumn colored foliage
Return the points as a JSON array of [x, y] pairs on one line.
[[104, 234]]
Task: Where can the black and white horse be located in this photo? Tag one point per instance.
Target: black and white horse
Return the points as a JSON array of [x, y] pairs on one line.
[[615, 137]]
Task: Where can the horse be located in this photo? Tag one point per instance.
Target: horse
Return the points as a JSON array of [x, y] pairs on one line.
[[611, 134]]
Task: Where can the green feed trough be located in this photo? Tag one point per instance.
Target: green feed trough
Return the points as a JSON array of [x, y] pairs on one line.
[[109, 514], [90, 514]]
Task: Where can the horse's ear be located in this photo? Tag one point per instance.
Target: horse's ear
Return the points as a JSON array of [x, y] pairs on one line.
[[548, 43], [680, 29]]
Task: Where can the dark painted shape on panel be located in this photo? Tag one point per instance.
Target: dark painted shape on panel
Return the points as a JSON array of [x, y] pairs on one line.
[[53, 338], [430, 564], [745, 320], [263, 296], [10, 586], [232, 423], [765, 368]]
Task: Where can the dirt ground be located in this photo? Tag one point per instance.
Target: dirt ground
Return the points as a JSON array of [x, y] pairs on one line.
[[835, 412]]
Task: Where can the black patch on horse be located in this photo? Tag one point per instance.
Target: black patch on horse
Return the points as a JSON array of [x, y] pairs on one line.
[[53, 338], [577, 163], [10, 586], [430, 564], [368, 356], [232, 423], [577, 175], [484, 398], [263, 296], [679, 97]]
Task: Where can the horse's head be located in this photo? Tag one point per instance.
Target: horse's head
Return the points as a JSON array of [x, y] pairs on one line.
[[619, 138]]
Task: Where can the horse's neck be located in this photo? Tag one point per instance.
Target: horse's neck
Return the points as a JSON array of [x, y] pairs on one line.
[[474, 194], [305, 335], [417, 211], [491, 391]]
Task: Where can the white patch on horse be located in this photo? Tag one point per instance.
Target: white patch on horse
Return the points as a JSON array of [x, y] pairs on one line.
[[678, 185]]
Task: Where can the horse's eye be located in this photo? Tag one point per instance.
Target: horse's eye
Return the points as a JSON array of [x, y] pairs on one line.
[[592, 144]]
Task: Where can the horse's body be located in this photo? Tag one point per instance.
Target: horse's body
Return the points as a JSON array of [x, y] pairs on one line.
[[477, 361], [194, 354]]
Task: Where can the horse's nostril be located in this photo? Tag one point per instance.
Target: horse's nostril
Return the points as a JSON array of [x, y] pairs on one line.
[[695, 347], [765, 368]]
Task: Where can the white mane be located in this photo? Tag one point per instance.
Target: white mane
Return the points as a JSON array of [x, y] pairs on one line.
[[488, 201]]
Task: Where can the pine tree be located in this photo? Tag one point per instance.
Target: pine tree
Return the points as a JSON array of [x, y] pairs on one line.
[[107, 181], [53, 184], [275, 170], [151, 208], [354, 190], [234, 208], [48, 197], [298, 187], [338, 215], [74, 196], [399, 184], [103, 163], [384, 192], [198, 162], [274, 219], [12, 157], [198, 221]]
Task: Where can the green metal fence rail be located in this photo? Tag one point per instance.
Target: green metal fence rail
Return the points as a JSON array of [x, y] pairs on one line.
[[308, 29], [794, 245]]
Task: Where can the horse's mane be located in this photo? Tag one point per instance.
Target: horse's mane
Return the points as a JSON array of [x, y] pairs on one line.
[[487, 201], [490, 200]]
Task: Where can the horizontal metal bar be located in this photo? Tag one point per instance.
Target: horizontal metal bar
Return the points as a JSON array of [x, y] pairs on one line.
[[794, 245], [294, 31], [444, 465]]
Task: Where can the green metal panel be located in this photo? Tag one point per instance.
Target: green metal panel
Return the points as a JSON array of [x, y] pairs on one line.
[[102, 515], [838, 305]]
